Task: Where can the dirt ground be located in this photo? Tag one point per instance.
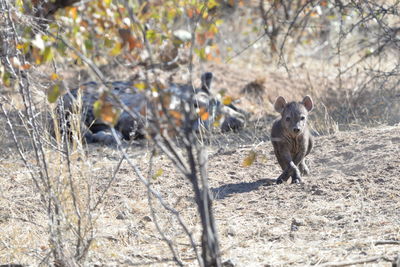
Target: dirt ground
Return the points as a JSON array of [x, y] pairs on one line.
[[340, 213], [347, 204], [347, 209]]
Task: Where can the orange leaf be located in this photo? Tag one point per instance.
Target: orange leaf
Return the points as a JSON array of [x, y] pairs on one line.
[[133, 43], [84, 23], [73, 12], [204, 115], [190, 12], [143, 110], [176, 114], [217, 59], [108, 113], [26, 66], [201, 39]]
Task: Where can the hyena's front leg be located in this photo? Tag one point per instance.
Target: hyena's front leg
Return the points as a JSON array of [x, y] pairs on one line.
[[288, 166], [304, 170], [298, 171]]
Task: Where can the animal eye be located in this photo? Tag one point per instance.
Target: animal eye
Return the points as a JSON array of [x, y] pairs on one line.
[[302, 118], [287, 118]]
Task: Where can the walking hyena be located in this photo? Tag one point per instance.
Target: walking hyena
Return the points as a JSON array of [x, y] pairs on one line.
[[291, 138]]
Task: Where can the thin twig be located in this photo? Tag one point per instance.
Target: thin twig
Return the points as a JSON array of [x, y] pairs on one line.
[[386, 242], [353, 262], [158, 196], [153, 214]]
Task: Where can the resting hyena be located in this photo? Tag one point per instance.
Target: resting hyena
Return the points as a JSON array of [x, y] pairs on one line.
[[291, 138], [131, 124]]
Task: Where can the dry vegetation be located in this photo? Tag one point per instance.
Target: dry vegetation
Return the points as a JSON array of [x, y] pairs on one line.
[[342, 210], [345, 213]]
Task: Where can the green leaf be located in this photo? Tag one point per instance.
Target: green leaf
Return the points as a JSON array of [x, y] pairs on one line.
[[201, 53], [151, 35], [61, 48], [7, 79], [108, 42], [48, 54], [97, 108], [88, 44], [54, 93]]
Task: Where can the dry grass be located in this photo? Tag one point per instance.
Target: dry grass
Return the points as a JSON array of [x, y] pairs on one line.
[[342, 209], [345, 206]]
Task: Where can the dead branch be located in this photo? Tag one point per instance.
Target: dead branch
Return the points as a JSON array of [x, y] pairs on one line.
[[353, 262], [387, 242]]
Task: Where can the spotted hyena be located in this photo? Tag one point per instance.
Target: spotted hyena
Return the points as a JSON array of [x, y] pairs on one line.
[[131, 122], [291, 138]]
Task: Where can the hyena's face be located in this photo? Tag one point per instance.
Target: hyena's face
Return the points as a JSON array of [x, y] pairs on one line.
[[294, 115]]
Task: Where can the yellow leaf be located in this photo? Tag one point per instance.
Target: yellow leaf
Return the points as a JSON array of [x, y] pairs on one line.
[[20, 5], [140, 86], [216, 124], [54, 76], [158, 173], [227, 100], [217, 121], [116, 50], [249, 160]]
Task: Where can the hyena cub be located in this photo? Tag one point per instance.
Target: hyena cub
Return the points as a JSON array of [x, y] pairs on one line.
[[291, 138]]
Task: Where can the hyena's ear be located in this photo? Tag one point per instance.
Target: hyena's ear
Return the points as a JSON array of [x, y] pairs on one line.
[[206, 79], [308, 103], [280, 104]]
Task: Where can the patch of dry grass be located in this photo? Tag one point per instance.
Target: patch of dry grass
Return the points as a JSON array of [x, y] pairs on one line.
[[337, 214]]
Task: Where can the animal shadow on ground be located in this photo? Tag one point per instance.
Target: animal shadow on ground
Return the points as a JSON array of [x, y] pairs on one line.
[[229, 189]]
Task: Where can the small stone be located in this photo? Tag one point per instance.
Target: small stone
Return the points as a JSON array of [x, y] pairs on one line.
[[121, 216], [228, 263], [147, 218]]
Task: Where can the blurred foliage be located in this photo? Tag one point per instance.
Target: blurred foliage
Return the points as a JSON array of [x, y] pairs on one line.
[[100, 29], [127, 30]]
